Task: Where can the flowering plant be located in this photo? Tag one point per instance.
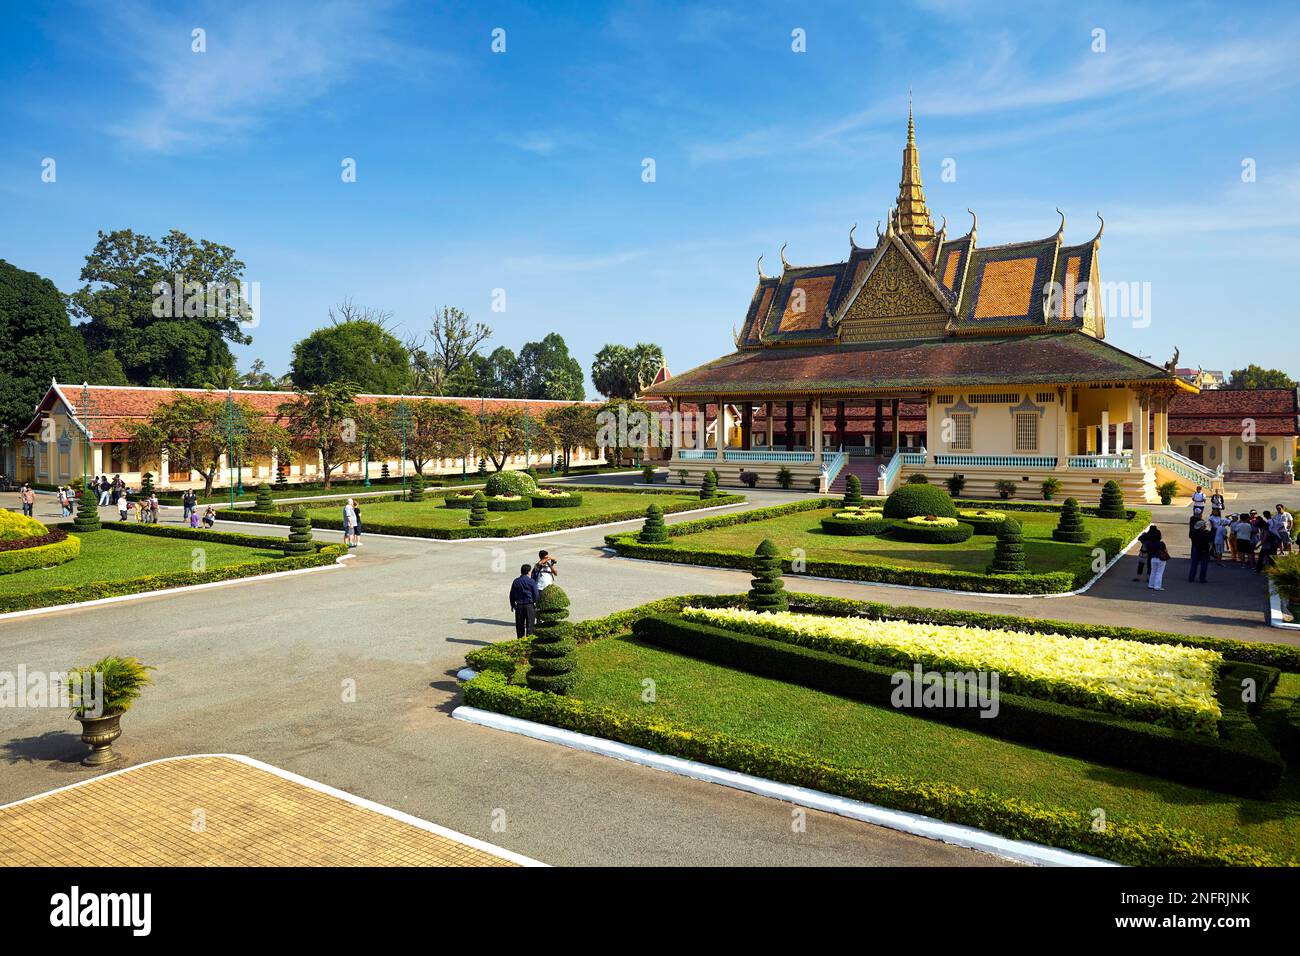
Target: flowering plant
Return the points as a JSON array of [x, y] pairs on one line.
[[932, 521]]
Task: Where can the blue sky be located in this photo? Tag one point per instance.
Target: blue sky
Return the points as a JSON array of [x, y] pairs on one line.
[[523, 170]]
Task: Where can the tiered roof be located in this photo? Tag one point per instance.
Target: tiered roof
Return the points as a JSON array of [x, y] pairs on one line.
[[1270, 411]]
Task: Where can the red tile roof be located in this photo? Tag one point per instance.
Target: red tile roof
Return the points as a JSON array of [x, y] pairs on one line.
[[1274, 411]]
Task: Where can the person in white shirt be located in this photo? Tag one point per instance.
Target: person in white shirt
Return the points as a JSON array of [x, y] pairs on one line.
[[1198, 498], [544, 571], [1285, 522], [350, 523]]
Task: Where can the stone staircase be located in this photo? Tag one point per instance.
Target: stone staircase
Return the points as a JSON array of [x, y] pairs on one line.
[[865, 468], [1259, 477]]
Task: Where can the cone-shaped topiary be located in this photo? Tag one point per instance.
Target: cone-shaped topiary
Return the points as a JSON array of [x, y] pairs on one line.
[[1009, 555], [852, 491], [767, 592], [282, 476], [709, 486], [146, 484], [552, 655], [264, 501], [654, 531], [87, 518], [478, 509], [482, 467], [299, 533], [1112, 501], [1070, 527], [383, 470], [416, 490]]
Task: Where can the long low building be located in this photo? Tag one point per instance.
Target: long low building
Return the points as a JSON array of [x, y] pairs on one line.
[[1249, 433], [88, 427]]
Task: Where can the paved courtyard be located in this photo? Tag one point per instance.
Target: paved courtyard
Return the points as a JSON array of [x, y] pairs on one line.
[[265, 669]]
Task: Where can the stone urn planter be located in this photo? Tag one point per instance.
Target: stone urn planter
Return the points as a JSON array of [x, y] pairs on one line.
[[98, 733]]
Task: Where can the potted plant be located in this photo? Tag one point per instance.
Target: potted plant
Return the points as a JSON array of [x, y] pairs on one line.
[[1049, 488], [955, 485], [748, 478], [1006, 488], [682, 475], [918, 479], [100, 695], [1166, 490], [784, 478]]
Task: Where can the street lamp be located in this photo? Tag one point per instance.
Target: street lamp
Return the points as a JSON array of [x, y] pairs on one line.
[[403, 421]]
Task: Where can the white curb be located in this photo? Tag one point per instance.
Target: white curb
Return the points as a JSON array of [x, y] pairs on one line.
[[1276, 616], [32, 612], [928, 827], [493, 849]]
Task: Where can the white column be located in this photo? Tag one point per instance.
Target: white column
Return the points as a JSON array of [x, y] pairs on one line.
[[723, 426], [769, 409], [676, 409], [1105, 432], [817, 431]]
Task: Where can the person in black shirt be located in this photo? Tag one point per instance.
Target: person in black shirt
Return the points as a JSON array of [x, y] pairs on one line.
[[1202, 544], [523, 601]]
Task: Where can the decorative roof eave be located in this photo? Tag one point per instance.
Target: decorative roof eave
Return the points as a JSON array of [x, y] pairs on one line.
[[850, 391], [909, 254]]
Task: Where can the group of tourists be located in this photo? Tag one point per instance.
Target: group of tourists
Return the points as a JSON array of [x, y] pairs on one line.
[[1248, 539], [526, 591], [28, 498], [145, 509], [352, 524]]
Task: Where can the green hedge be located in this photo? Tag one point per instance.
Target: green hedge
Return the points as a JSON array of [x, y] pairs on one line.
[[1075, 575], [452, 534], [552, 501], [931, 535], [506, 504], [856, 527], [1131, 843], [1240, 761], [95, 590], [41, 555]]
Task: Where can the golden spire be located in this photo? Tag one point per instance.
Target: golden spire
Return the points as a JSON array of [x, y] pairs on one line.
[[913, 213]]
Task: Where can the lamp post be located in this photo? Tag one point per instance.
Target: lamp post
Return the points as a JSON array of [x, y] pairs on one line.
[[403, 416], [84, 412], [234, 430]]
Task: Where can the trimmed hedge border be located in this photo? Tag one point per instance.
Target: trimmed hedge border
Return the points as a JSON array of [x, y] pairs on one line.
[[856, 527], [1241, 760], [95, 590], [923, 535], [453, 534], [555, 501], [1043, 582], [54, 550], [1131, 843], [505, 504]]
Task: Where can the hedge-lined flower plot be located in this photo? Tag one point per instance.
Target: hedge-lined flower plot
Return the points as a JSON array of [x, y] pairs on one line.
[[1164, 684]]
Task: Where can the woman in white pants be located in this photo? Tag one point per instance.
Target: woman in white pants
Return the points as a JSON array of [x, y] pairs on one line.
[[1159, 561]]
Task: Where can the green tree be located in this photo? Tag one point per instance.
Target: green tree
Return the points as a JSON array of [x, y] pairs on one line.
[[195, 433], [552, 653], [1253, 376], [622, 372], [767, 591], [37, 344], [324, 421], [443, 358], [504, 433], [358, 351], [547, 371], [167, 308], [573, 427]]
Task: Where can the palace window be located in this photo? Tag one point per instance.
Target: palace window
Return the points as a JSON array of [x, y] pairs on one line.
[[961, 432], [997, 398], [1027, 432]]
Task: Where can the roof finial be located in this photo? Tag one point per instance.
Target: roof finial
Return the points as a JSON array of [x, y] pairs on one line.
[[974, 220], [943, 229], [784, 263], [911, 126], [852, 244], [1061, 231], [1100, 230], [879, 234], [761, 277]]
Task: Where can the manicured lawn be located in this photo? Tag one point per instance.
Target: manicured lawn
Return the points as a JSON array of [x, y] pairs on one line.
[[803, 530], [116, 556], [433, 513], [698, 695]]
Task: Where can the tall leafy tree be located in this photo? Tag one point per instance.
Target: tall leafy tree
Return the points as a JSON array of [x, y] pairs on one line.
[[547, 371], [156, 337], [37, 344], [447, 350], [360, 351], [1253, 376], [572, 427], [619, 371], [506, 432], [324, 421]]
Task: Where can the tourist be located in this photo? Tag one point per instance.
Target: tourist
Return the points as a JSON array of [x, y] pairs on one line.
[[1148, 539], [356, 526], [122, 505], [524, 594], [1159, 561], [28, 498], [545, 571], [1219, 525], [189, 502], [1198, 499], [194, 518], [209, 517], [1269, 541], [1285, 521], [349, 521], [1242, 532], [1202, 542], [153, 508], [63, 502], [1216, 501], [104, 489]]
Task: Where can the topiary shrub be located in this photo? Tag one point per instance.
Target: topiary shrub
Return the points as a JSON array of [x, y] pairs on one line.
[[983, 520], [552, 653], [281, 476], [1009, 555], [383, 471], [478, 510], [648, 474], [856, 521], [146, 484], [955, 485], [709, 485], [15, 526], [1070, 528], [1112, 501], [482, 468], [511, 483], [416, 490], [509, 503], [931, 529], [263, 500], [767, 592], [912, 500], [1006, 488], [852, 491], [299, 532], [654, 531], [87, 519], [785, 478], [918, 479]]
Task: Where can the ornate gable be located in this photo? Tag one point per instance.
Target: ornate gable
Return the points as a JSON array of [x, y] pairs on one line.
[[894, 303]]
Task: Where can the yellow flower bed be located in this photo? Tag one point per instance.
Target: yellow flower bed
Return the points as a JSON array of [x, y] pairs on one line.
[[860, 514], [932, 521], [983, 515], [1165, 684]]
